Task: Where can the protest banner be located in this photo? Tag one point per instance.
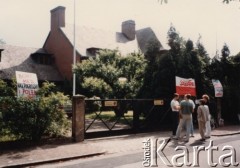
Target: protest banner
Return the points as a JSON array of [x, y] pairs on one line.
[[217, 88], [27, 84], [185, 86]]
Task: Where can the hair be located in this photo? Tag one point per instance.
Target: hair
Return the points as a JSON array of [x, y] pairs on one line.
[[205, 96], [175, 95], [188, 96], [202, 102]]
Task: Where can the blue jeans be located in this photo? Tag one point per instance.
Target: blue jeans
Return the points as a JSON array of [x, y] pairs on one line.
[[186, 120], [191, 128]]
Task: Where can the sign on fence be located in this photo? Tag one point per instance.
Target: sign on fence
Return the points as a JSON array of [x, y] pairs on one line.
[[110, 103], [27, 84], [158, 102]]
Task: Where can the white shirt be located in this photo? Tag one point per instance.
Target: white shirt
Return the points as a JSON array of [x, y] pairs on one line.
[[174, 103]]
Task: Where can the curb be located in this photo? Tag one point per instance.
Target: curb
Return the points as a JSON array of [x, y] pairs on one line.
[[227, 134], [53, 160]]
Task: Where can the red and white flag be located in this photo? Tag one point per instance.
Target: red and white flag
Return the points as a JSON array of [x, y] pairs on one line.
[[185, 86]]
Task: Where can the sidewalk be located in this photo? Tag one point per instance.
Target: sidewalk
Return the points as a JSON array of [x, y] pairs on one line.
[[90, 147]]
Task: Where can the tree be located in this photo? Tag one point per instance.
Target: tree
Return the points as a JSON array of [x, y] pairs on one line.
[[227, 70], [225, 51], [181, 60], [102, 76], [174, 40], [228, 1]]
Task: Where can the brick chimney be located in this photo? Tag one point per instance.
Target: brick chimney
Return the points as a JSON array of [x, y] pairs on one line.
[[57, 17], [128, 29]]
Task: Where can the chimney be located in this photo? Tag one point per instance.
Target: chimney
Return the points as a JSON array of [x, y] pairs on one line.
[[128, 29], [57, 17], [1, 54]]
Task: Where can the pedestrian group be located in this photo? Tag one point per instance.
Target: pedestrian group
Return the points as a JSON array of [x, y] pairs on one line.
[[182, 117]]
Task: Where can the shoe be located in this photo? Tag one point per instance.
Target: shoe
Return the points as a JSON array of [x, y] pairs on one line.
[[202, 139], [207, 137], [192, 135], [175, 138]]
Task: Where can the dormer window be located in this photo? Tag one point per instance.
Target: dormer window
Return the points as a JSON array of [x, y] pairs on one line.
[[92, 51], [1, 54], [42, 58]]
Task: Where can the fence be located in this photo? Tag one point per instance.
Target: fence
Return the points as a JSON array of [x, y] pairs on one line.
[[106, 117]]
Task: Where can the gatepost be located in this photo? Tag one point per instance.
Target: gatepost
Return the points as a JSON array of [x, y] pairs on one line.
[[78, 118]]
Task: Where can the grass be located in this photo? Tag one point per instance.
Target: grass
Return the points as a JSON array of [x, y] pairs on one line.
[[108, 115], [111, 116]]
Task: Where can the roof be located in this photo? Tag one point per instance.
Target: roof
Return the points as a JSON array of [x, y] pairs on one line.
[[15, 58], [146, 36], [105, 39]]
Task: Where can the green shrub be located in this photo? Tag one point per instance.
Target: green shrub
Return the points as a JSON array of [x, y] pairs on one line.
[[32, 118]]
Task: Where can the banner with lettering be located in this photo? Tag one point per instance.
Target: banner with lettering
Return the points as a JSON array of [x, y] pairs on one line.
[[185, 86], [217, 88], [27, 84]]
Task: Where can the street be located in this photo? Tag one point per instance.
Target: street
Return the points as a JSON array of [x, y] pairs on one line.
[[222, 151]]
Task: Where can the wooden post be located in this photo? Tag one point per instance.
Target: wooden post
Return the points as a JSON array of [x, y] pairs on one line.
[[78, 118]]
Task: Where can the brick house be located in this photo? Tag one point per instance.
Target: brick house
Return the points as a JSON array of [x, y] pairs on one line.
[[89, 40], [53, 62]]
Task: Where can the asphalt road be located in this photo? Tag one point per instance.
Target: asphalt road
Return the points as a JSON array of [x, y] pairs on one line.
[[220, 152]]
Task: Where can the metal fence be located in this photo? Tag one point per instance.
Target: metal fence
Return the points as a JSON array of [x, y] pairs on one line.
[[106, 117]]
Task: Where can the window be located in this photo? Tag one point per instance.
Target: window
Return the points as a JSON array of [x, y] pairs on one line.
[[92, 51], [42, 58]]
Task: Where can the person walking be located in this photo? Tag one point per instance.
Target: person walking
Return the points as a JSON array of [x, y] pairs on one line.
[[175, 106], [185, 112], [208, 122], [202, 118]]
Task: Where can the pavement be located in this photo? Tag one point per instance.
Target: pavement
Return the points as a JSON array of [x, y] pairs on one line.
[[58, 152]]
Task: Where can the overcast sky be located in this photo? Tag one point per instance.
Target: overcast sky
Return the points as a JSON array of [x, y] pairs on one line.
[[27, 22]]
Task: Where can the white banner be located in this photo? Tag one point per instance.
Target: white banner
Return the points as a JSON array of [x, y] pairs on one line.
[[217, 88], [27, 84]]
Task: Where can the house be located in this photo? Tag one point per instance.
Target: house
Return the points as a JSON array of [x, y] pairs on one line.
[[53, 62], [60, 41], [33, 60]]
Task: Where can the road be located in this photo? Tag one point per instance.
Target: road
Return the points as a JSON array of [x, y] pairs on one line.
[[215, 152]]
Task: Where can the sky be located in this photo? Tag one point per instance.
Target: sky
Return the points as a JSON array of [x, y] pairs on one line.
[[27, 22]]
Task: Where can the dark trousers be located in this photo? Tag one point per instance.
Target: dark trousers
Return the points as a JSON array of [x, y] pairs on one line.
[[175, 121]]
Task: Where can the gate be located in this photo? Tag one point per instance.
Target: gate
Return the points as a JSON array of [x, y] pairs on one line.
[[108, 117]]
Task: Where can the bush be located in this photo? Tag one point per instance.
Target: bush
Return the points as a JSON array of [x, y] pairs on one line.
[[32, 118]]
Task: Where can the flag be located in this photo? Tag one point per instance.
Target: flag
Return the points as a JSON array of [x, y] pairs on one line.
[[217, 88], [185, 86]]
